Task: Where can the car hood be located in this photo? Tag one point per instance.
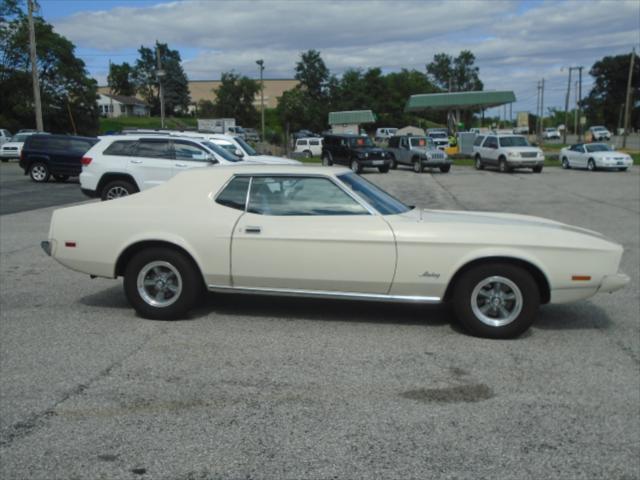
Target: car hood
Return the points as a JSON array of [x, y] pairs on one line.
[[268, 159], [608, 154], [489, 228], [522, 149], [427, 150]]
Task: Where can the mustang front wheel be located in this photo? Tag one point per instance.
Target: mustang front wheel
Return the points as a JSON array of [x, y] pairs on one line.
[[162, 284], [496, 300]]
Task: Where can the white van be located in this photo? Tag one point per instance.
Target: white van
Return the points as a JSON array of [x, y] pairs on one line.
[[309, 147], [385, 133]]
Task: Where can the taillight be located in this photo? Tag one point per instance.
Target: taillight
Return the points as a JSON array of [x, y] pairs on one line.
[[86, 160]]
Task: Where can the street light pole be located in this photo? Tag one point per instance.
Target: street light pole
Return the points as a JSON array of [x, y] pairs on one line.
[[34, 70], [160, 73], [261, 65]]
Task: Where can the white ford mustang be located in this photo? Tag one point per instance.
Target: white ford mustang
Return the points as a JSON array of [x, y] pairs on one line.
[[593, 156], [327, 232]]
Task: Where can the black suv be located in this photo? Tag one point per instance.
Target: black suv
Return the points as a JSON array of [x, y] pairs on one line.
[[58, 155], [356, 151]]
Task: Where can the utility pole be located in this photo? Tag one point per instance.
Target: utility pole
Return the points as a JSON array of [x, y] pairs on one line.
[[110, 93], [160, 73], [542, 109], [261, 65], [628, 100], [566, 109], [575, 118], [538, 109], [34, 70], [579, 100]]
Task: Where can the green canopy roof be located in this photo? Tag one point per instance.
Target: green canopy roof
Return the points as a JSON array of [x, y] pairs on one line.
[[458, 100], [351, 117]]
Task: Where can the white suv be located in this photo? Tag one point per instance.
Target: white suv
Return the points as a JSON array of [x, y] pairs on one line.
[[506, 152], [120, 165]]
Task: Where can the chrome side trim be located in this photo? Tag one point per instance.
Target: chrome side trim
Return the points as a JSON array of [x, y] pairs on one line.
[[379, 297]]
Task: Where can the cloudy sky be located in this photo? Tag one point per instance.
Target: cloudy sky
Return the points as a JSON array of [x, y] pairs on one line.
[[516, 43]]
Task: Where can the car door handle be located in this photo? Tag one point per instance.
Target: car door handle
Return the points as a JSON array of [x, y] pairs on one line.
[[181, 165], [136, 161], [252, 229]]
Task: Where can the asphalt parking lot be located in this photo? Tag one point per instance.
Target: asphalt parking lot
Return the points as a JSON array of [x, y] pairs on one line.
[[253, 388]]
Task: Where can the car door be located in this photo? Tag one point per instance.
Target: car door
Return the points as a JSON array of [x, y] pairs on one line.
[[189, 155], [578, 156], [405, 152], [151, 162], [342, 150], [307, 233]]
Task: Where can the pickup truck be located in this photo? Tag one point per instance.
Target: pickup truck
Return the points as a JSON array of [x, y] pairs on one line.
[[419, 152]]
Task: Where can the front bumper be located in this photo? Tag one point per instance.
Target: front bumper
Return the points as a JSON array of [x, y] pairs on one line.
[[611, 283], [374, 162], [525, 163]]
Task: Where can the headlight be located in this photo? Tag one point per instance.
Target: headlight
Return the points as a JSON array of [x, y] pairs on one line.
[[513, 154]]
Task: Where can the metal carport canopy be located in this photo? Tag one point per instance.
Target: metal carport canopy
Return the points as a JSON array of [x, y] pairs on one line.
[[351, 117], [458, 100]]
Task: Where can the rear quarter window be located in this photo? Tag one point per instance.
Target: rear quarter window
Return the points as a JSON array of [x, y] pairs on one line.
[[234, 194], [478, 141]]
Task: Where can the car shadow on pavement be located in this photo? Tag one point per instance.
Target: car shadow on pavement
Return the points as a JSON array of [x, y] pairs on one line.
[[322, 309], [573, 316], [112, 297]]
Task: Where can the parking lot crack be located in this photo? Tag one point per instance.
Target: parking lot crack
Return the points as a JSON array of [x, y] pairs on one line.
[[449, 194], [37, 420]]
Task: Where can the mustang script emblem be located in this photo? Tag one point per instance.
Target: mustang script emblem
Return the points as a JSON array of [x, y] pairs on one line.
[[429, 274]]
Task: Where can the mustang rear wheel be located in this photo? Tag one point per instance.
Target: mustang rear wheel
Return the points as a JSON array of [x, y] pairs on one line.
[[496, 300], [591, 165], [162, 284]]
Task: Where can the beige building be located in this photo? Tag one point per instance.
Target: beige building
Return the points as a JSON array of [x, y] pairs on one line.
[[205, 90]]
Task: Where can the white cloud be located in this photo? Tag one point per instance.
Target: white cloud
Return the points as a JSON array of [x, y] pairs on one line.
[[513, 48]]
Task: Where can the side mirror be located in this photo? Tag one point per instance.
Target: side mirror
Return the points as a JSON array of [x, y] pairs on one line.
[[239, 153], [212, 159]]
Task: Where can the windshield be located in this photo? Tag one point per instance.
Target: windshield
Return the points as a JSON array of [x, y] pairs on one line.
[[223, 152], [20, 137], [513, 142], [598, 147], [359, 142], [246, 147], [438, 135], [384, 203], [598, 128], [422, 142]]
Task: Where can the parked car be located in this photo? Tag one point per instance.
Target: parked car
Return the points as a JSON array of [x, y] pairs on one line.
[[439, 136], [418, 152], [328, 233], [521, 131], [120, 165], [59, 156], [550, 133], [309, 147], [594, 156], [13, 147], [385, 133], [357, 151], [506, 152], [303, 134], [599, 133], [251, 135], [238, 147], [236, 131], [5, 136]]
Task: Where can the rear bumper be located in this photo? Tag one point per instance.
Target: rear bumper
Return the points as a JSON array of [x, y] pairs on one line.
[[611, 283]]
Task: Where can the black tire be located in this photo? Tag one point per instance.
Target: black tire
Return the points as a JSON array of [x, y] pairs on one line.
[[565, 163], [478, 164], [39, 172], [117, 189], [591, 165], [5, 160], [445, 168], [306, 154], [174, 271], [502, 165], [356, 167], [384, 169], [326, 160], [417, 165], [394, 163], [514, 281], [623, 169], [537, 169], [60, 178]]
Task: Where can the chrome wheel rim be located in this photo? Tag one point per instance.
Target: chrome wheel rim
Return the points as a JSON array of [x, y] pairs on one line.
[[417, 167], [117, 192], [325, 161], [564, 163], [159, 284], [478, 164], [354, 166], [591, 165], [39, 173], [496, 301]]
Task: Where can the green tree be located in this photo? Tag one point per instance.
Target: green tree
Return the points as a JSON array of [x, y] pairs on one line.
[[67, 91], [292, 109], [457, 74], [175, 83], [206, 108], [312, 73], [235, 97], [606, 99], [120, 79]]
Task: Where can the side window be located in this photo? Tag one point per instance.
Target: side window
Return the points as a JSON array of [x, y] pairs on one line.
[[403, 142], [153, 149], [79, 146], [302, 142], [393, 142], [189, 151], [478, 141], [300, 196], [121, 147], [58, 144], [314, 142], [234, 194], [491, 142]]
